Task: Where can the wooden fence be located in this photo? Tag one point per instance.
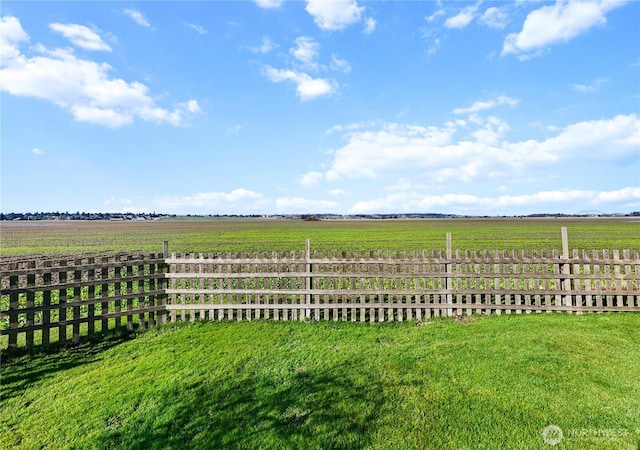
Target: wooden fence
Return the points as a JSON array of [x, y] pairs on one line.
[[372, 286], [47, 300]]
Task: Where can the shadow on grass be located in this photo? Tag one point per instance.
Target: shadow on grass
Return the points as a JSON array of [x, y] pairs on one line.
[[22, 368], [306, 409]]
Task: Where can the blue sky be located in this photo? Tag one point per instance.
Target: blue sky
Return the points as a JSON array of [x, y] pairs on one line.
[[349, 107]]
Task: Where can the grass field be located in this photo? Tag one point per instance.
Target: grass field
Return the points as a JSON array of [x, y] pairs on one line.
[[478, 383], [228, 235], [473, 383]]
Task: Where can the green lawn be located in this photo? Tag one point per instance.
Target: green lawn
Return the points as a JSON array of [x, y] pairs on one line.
[[474, 383]]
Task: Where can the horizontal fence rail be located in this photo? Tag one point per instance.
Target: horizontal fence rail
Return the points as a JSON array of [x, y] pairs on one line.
[[52, 299]]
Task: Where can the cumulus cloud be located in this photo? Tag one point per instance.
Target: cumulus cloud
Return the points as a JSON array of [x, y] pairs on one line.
[[266, 46], [565, 200], [306, 50], [238, 200], [310, 179], [624, 194], [472, 150], [369, 25], [368, 153], [482, 105], [557, 23], [83, 87], [11, 35], [138, 17], [494, 17], [463, 18], [81, 36], [339, 64], [307, 88], [299, 205], [123, 205], [37, 152], [592, 87], [585, 140], [269, 4], [335, 15]]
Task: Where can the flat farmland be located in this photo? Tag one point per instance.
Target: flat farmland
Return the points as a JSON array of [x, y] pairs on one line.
[[249, 235]]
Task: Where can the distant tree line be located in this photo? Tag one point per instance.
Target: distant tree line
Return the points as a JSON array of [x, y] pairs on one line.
[[80, 216], [307, 217]]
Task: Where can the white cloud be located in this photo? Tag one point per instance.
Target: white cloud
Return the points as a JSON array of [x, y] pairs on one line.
[[492, 131], [595, 86], [138, 17], [81, 36], [124, 206], [306, 50], [81, 86], [351, 127], [621, 195], [191, 106], [269, 4], [337, 192], [310, 179], [266, 46], [197, 28], [487, 104], [240, 200], [494, 17], [299, 205], [307, 88], [336, 14], [11, 35], [438, 12], [99, 116], [620, 136], [565, 200], [463, 18], [341, 65], [437, 154], [369, 153], [557, 23], [369, 25], [37, 152], [434, 47]]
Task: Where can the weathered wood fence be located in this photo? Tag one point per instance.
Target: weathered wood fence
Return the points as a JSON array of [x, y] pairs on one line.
[[82, 295], [373, 286]]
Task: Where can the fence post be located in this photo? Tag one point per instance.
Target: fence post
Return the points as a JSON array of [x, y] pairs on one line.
[[449, 271], [62, 300], [307, 280], [14, 305], [77, 298], [566, 268], [31, 296], [46, 304], [163, 282]]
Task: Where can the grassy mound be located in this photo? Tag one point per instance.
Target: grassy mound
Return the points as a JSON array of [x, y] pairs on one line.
[[478, 382]]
